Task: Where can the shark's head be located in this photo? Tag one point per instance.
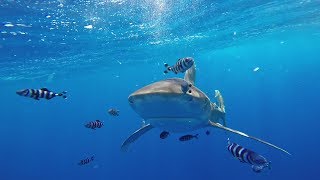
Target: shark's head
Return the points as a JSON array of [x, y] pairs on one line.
[[172, 104]]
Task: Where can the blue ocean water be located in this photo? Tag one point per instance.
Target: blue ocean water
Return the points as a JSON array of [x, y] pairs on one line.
[[262, 55]]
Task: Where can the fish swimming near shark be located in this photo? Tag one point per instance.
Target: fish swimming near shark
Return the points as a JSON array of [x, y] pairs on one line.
[[188, 137], [164, 134], [244, 155], [181, 65], [86, 161], [113, 112], [94, 124], [42, 93], [164, 105]]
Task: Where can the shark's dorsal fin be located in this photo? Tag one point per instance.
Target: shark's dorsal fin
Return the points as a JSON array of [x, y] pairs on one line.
[[190, 75], [133, 137], [246, 135]]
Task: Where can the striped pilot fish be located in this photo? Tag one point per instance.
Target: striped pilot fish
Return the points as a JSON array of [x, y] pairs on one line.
[[86, 161], [113, 112], [41, 93], [188, 137], [181, 65], [245, 155], [94, 124]]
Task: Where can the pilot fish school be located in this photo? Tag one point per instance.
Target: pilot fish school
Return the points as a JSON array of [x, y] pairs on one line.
[[198, 110]]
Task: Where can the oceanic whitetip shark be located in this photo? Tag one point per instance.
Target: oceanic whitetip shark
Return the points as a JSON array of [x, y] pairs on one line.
[[177, 105]]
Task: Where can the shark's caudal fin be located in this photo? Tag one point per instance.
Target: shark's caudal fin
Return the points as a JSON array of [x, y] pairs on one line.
[[190, 75], [133, 137], [245, 135]]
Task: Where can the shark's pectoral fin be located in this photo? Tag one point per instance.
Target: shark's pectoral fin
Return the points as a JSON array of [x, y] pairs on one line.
[[190, 75], [133, 137], [245, 135]]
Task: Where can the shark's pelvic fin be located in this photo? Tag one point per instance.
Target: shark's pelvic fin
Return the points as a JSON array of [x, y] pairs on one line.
[[245, 135], [133, 137], [190, 75]]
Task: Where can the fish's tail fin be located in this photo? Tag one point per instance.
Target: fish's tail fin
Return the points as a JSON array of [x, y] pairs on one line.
[[168, 68], [196, 136], [63, 94], [228, 140]]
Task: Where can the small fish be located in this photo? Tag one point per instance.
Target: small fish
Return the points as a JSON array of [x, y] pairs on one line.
[[164, 134], [188, 137], [86, 161], [94, 124], [244, 155], [208, 132], [41, 93], [113, 112], [181, 65]]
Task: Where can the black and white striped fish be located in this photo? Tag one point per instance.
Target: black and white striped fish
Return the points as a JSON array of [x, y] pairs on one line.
[[181, 65], [188, 137], [94, 124], [113, 112], [41, 93], [245, 155], [86, 161]]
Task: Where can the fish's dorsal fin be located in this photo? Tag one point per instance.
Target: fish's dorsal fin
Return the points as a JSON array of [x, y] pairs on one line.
[[133, 137], [247, 136], [190, 75], [45, 89]]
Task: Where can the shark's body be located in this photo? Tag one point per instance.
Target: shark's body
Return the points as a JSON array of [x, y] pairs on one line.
[[171, 110], [167, 106]]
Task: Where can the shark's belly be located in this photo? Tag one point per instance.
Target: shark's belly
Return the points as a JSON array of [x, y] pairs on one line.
[[178, 124]]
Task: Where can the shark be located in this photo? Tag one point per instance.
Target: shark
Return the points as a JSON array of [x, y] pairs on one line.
[[176, 105]]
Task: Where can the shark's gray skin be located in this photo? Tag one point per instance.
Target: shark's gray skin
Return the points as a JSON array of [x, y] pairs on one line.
[[166, 105]]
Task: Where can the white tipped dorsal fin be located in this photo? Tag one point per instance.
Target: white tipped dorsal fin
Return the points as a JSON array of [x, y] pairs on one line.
[[248, 136], [190, 75]]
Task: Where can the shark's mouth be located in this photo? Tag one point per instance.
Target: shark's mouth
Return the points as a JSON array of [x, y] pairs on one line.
[[177, 124]]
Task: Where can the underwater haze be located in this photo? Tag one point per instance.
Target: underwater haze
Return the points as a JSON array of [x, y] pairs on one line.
[[262, 55]]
